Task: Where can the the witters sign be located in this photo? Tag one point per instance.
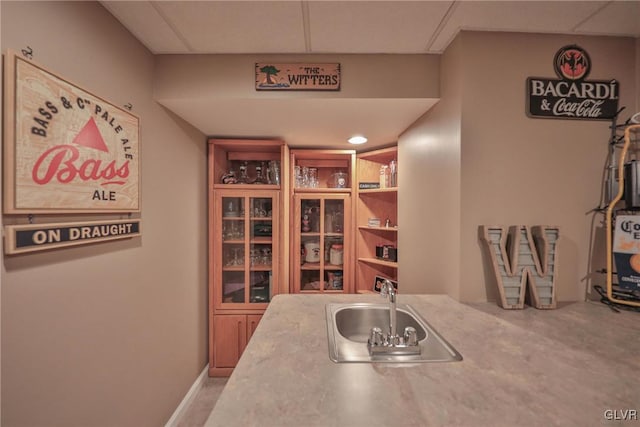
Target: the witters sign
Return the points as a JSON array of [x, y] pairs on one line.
[[270, 76], [571, 96], [66, 150]]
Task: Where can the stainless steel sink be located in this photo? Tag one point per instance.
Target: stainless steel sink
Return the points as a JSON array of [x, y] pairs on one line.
[[349, 325]]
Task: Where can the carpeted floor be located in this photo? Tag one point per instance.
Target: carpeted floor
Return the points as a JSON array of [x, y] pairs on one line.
[[198, 412]]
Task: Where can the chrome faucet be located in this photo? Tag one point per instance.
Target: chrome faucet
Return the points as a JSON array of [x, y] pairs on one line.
[[388, 289], [407, 344]]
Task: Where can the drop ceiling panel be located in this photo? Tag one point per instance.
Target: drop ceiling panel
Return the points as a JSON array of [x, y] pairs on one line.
[[237, 27], [535, 17], [147, 25], [625, 15], [374, 26], [304, 122], [254, 27]]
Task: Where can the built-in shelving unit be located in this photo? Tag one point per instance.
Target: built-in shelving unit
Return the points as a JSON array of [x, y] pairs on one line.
[[376, 246], [322, 245], [246, 242]]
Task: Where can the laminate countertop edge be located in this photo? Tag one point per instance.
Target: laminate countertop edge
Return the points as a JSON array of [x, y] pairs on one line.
[[572, 366]]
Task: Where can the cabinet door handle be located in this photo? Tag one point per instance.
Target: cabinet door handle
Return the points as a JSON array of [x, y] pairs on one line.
[[239, 338]]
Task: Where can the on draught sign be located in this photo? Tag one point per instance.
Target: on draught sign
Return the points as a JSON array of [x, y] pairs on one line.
[[38, 237], [524, 257]]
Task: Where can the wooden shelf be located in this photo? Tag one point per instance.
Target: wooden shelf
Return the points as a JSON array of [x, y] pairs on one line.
[[334, 234], [389, 229], [310, 266], [378, 190], [322, 190], [377, 261], [324, 163], [261, 267], [246, 186], [315, 266], [381, 203], [261, 240], [382, 155]]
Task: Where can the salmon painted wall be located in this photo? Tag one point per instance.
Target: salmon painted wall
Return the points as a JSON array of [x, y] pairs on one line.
[[513, 169], [429, 191], [520, 170], [109, 334]]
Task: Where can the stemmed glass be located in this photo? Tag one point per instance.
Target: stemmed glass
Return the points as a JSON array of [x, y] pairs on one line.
[[237, 260]]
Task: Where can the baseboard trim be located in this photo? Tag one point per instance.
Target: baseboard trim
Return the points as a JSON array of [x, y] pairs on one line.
[[188, 398]]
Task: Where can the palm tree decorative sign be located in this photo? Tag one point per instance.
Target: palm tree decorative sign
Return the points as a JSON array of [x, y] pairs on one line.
[[298, 76]]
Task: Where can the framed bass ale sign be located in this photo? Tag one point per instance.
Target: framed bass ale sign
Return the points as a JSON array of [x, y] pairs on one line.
[[65, 149]]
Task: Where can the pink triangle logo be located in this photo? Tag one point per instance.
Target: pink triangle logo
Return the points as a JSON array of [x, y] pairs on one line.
[[90, 137]]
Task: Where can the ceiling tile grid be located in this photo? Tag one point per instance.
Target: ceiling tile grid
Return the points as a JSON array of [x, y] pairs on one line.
[[616, 18], [340, 27], [237, 27], [147, 25], [517, 16], [374, 26], [296, 26]]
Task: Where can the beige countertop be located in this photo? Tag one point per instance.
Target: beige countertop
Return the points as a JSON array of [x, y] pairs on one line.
[[562, 367]]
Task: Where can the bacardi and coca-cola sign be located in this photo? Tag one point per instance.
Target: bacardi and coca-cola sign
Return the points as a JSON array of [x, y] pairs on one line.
[[571, 96], [71, 151]]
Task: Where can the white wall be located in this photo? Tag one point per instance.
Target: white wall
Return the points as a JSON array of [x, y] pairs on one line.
[[110, 334]]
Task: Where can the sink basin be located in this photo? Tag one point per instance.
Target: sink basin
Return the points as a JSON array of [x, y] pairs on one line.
[[348, 327]]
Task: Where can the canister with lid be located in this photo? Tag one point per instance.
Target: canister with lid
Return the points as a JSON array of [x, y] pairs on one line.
[[336, 254], [312, 251]]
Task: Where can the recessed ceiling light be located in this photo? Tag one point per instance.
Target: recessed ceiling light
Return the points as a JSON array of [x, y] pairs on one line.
[[358, 139]]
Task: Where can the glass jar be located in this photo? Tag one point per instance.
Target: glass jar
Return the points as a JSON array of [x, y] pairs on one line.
[[383, 176], [393, 170], [313, 178], [339, 180], [336, 254], [243, 178]]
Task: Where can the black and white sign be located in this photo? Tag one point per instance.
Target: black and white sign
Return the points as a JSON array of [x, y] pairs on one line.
[[571, 96], [37, 237]]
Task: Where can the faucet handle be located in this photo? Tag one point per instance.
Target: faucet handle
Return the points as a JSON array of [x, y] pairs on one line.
[[410, 336], [375, 336]]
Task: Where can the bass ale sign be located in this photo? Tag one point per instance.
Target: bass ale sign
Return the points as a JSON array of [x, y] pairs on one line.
[[66, 150], [571, 96]]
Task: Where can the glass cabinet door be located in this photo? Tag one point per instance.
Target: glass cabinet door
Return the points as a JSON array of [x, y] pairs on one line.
[[321, 242], [260, 249], [247, 248], [233, 250]]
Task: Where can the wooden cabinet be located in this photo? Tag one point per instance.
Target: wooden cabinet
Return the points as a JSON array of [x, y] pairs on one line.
[[376, 217], [322, 245], [322, 232], [245, 242], [231, 333]]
